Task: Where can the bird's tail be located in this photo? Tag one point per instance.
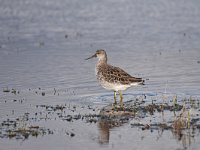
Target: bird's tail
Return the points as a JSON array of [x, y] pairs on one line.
[[142, 82], [137, 81]]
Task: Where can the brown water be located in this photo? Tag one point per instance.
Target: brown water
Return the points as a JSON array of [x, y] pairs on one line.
[[43, 45]]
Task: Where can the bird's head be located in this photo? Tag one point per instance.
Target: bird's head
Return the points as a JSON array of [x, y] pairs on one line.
[[100, 54]]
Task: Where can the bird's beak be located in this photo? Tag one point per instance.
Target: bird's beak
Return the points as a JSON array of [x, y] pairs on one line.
[[91, 57]]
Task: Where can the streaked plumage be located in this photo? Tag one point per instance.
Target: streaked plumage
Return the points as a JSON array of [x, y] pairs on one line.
[[113, 78]]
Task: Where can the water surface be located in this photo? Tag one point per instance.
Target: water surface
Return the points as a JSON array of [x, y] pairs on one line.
[[43, 45]]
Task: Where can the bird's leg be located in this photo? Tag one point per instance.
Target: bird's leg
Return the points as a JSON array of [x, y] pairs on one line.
[[121, 100], [115, 100]]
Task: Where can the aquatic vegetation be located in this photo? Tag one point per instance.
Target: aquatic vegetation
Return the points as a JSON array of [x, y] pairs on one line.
[[52, 108], [18, 129], [177, 115], [6, 90]]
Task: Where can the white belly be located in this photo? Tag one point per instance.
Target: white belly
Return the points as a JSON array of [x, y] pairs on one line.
[[113, 86]]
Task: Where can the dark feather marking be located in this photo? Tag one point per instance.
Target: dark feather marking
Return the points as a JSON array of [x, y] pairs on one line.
[[117, 75]]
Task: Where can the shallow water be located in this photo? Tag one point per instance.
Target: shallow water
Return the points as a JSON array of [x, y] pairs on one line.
[[43, 44]]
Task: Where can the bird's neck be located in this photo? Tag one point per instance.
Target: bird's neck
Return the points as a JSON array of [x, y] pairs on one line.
[[100, 64], [102, 61]]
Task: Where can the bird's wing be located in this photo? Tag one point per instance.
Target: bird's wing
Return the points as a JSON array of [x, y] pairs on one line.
[[117, 75]]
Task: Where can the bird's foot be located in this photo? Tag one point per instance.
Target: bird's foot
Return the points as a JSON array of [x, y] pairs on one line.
[[122, 108], [114, 106]]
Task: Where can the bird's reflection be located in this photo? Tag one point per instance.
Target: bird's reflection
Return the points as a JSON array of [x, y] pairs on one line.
[[111, 119], [104, 127], [104, 132]]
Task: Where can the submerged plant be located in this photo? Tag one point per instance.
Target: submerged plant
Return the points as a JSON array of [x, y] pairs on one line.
[[6, 90], [188, 120], [175, 100], [183, 120]]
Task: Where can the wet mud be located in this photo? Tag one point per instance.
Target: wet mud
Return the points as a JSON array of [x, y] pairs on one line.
[[182, 116]]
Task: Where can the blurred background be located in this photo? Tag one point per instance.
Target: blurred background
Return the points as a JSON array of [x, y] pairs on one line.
[[43, 46], [43, 43]]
